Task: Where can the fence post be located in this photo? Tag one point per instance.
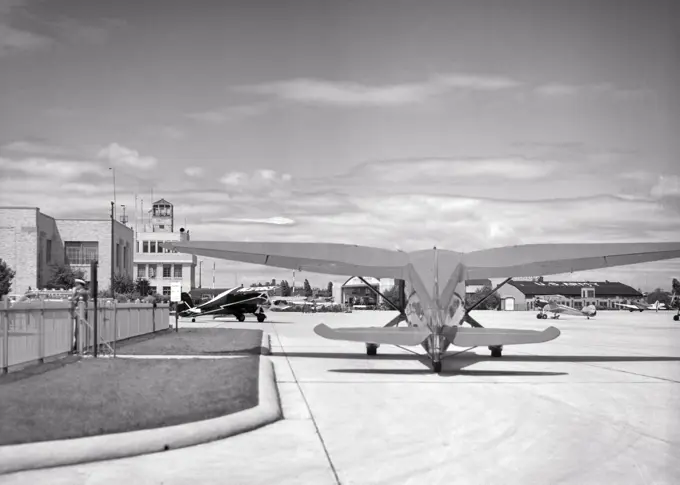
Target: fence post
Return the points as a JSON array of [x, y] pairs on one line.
[[80, 328], [41, 333], [153, 316], [5, 339]]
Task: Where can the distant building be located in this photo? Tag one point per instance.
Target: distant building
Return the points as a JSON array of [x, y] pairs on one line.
[[520, 295], [159, 265], [472, 286], [34, 244]]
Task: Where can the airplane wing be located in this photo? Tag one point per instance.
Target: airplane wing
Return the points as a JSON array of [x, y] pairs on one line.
[[375, 335], [484, 337], [327, 258], [547, 259], [625, 305]]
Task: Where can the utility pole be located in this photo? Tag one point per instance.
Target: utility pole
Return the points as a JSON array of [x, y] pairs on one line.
[[213, 275], [200, 273], [114, 189], [113, 206]]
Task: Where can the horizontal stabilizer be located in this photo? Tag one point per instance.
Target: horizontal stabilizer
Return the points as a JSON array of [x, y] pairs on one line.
[[483, 337], [375, 335]]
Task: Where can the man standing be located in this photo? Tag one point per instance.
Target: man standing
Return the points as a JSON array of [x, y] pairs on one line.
[[80, 293]]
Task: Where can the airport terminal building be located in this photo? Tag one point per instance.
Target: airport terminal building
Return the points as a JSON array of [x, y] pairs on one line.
[[520, 295]]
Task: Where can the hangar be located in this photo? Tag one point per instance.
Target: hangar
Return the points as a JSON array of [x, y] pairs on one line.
[[520, 295]]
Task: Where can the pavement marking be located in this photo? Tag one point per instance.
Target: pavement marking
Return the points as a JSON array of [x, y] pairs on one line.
[[180, 356], [309, 410]]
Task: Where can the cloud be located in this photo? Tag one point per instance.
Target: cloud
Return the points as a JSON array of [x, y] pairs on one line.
[[119, 155], [351, 94], [277, 221], [258, 178], [72, 30], [193, 171], [561, 90], [231, 113], [666, 186], [51, 168], [36, 147], [13, 40]]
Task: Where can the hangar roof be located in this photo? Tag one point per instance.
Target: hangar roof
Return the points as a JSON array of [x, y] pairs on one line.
[[573, 288]]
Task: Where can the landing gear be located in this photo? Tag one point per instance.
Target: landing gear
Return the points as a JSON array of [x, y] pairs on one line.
[[496, 350], [371, 349], [676, 317], [261, 317], [437, 366], [240, 317], [539, 315], [193, 320]]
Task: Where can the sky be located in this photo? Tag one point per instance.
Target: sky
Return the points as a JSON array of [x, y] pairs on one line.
[[400, 124]]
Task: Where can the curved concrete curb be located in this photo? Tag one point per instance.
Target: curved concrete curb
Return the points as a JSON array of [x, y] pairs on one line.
[[46, 454], [266, 345]]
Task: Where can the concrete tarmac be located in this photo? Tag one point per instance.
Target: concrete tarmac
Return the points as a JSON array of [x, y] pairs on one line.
[[600, 404]]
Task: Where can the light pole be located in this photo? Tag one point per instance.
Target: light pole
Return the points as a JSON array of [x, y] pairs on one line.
[[114, 190]]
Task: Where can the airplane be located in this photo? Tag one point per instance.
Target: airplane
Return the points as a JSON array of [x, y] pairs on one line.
[[556, 309], [435, 311], [642, 306], [235, 301]]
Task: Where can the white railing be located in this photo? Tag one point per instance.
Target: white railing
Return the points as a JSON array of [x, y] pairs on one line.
[[32, 333]]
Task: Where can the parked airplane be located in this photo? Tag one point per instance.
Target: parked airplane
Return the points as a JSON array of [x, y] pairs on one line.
[[556, 309], [435, 311], [642, 306], [235, 301]]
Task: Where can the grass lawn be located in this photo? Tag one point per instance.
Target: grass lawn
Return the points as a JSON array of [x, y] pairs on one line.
[[196, 341], [98, 396]]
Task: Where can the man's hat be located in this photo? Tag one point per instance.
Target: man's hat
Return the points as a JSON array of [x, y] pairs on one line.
[[78, 280]]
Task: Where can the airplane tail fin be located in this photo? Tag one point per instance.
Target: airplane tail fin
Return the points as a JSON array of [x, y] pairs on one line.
[[186, 302]]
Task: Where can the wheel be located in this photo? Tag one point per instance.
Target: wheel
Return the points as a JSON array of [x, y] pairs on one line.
[[193, 320], [371, 349], [496, 351], [241, 317], [538, 315], [545, 316], [437, 366], [261, 317], [676, 317]]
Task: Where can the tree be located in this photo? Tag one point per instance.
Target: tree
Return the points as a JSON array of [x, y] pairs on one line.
[[285, 288], [142, 286], [490, 303], [659, 294], [308, 288], [7, 274], [329, 288], [123, 283], [64, 277], [273, 282]]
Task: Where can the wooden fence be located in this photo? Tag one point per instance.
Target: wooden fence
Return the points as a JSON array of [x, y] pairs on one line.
[[32, 333]]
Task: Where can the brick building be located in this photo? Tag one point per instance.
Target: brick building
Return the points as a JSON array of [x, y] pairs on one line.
[[33, 244]]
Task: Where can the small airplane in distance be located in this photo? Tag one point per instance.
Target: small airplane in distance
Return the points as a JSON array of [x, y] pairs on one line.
[[435, 311], [234, 301], [642, 306], [551, 306]]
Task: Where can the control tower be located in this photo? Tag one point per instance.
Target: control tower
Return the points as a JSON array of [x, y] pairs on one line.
[[162, 217]]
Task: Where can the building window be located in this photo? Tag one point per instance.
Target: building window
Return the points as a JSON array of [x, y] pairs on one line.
[[80, 252], [178, 271], [161, 226], [152, 271], [152, 245], [141, 271], [118, 255], [154, 290], [125, 256], [145, 246], [166, 291], [167, 268], [48, 251]]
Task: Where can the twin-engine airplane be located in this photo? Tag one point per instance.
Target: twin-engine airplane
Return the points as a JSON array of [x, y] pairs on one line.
[[551, 306], [435, 310]]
